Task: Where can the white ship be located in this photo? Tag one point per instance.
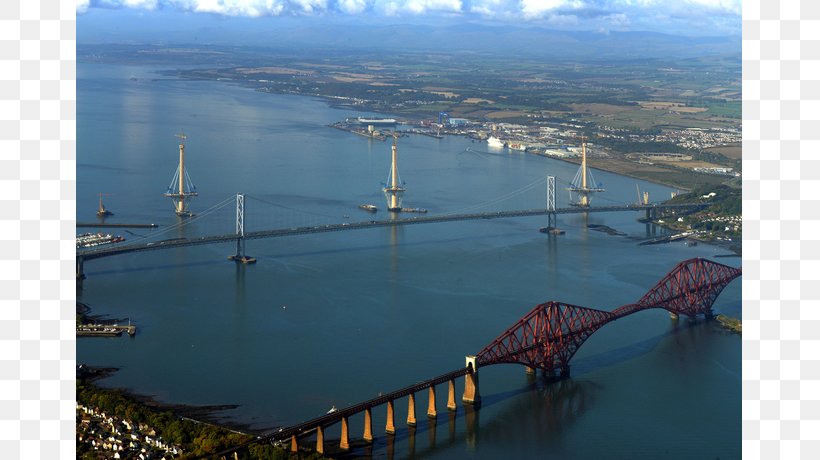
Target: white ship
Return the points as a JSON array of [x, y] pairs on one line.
[[493, 141], [373, 121]]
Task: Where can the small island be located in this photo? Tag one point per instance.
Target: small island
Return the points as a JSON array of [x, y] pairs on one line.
[[732, 324]]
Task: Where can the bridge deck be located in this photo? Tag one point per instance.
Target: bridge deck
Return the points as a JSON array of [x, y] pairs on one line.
[[282, 232], [336, 416]]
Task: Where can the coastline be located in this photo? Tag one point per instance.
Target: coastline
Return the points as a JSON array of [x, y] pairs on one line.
[[208, 415], [330, 102], [729, 323], [620, 173], [119, 419]]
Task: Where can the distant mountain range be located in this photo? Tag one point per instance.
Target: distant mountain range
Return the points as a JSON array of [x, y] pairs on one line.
[[292, 33]]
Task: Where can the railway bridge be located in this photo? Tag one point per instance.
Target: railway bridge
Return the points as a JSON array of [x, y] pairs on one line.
[[546, 338]]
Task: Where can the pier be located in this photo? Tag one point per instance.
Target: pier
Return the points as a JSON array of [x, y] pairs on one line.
[[98, 225], [105, 330], [359, 131], [668, 238]]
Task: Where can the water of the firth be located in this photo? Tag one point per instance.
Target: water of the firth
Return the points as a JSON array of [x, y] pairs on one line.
[[333, 319]]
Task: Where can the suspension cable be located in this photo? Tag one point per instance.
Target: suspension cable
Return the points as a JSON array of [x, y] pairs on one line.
[[509, 195], [180, 224], [289, 208]]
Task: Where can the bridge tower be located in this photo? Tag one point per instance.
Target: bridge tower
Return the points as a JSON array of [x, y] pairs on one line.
[[471, 394], [181, 189], [101, 211], [393, 189], [552, 216], [580, 185], [240, 233], [80, 270]]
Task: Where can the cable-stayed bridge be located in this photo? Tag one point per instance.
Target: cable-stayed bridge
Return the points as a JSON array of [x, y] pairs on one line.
[[228, 222]]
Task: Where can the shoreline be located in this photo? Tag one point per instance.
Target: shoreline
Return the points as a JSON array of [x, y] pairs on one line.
[[333, 104], [178, 430], [206, 414], [632, 176], [731, 324]]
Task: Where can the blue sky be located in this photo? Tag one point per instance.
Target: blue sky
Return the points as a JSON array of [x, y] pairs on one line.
[[680, 17]]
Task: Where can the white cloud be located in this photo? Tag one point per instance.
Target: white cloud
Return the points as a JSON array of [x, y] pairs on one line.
[[390, 8], [587, 14], [417, 7], [729, 6], [493, 8], [424, 6], [352, 6], [144, 4], [540, 8], [251, 8], [311, 6]]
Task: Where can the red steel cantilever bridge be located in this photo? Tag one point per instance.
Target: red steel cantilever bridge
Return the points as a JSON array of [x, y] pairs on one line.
[[547, 338], [549, 335]]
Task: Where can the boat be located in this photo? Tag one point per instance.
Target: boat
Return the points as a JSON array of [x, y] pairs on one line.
[[517, 146], [551, 230], [372, 121], [493, 141], [332, 410], [369, 207]]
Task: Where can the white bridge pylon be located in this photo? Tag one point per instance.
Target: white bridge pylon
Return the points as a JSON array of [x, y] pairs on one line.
[[393, 189], [240, 233], [580, 184], [182, 188]]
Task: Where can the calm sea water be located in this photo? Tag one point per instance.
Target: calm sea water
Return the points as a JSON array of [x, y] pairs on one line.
[[333, 319]]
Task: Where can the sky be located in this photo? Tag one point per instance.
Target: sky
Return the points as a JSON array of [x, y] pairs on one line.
[[679, 17]]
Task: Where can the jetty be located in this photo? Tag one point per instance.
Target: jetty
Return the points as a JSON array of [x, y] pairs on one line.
[[105, 330], [103, 225], [667, 238]]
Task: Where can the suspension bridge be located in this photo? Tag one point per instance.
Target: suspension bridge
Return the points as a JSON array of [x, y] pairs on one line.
[[240, 235], [545, 338]]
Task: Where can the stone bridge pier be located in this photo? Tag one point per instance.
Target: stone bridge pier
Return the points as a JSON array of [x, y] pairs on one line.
[[471, 394]]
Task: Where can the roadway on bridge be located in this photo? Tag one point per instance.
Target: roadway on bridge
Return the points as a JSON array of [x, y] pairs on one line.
[[282, 232]]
